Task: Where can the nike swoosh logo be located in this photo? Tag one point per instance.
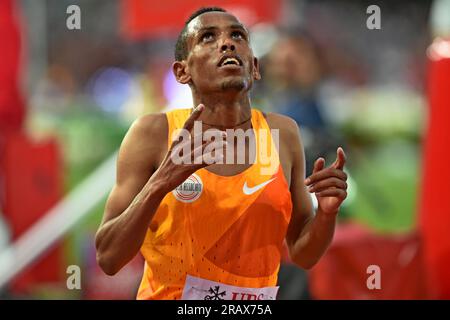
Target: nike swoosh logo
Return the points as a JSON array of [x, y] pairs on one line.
[[248, 191]]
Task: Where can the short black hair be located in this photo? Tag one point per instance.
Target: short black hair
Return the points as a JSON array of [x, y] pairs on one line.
[[181, 45]]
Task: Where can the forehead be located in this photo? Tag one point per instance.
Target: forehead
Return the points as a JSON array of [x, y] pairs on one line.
[[212, 19]]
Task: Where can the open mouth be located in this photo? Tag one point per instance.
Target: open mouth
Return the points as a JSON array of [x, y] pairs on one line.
[[230, 61]]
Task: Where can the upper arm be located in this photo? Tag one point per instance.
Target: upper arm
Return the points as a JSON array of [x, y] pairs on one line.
[[138, 158], [302, 208]]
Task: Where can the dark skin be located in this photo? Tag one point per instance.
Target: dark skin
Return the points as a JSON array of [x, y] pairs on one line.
[[145, 173]]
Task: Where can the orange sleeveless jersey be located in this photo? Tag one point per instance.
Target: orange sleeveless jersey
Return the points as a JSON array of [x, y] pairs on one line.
[[212, 229]]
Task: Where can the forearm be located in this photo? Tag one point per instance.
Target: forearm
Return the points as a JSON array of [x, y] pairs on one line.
[[313, 240], [119, 239]]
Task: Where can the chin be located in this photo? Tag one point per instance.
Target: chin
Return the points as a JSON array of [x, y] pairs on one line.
[[235, 84]]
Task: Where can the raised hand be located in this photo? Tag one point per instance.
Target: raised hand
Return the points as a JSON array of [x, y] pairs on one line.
[[177, 166], [329, 184]]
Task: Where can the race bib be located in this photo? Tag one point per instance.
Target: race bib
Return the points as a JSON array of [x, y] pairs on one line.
[[202, 289]]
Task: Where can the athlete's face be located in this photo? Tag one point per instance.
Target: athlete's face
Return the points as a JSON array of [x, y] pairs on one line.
[[219, 55]]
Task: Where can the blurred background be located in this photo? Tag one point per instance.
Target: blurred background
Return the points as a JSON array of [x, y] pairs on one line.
[[67, 97]]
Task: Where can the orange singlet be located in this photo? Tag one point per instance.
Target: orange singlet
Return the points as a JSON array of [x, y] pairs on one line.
[[219, 237]]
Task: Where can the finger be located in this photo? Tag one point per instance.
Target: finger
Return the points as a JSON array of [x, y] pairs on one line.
[[207, 158], [324, 174], [178, 156], [193, 141], [182, 135], [187, 151], [333, 193], [318, 165], [189, 124], [214, 145], [328, 183], [188, 143], [340, 159], [198, 139]]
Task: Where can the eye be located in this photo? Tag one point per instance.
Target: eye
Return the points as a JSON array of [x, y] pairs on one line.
[[238, 35], [207, 36]]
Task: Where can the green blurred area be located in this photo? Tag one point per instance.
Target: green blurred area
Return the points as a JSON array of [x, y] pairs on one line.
[[87, 140], [384, 183], [384, 132], [87, 136]]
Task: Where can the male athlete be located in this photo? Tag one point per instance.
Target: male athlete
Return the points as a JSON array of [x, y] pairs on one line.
[[216, 231]]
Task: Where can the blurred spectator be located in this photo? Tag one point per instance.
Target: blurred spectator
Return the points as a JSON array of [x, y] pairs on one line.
[[294, 73]]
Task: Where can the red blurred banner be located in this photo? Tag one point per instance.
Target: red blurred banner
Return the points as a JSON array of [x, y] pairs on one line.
[[32, 180], [344, 271], [149, 18], [11, 103], [435, 187]]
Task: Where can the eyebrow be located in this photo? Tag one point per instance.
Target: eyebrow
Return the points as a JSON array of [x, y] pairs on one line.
[[232, 26], [238, 26]]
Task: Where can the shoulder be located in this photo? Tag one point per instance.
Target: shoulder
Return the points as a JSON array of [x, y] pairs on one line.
[[149, 125], [147, 129], [289, 134], [144, 142], [287, 126]]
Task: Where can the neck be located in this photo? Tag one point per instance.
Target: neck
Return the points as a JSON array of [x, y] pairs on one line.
[[224, 110]]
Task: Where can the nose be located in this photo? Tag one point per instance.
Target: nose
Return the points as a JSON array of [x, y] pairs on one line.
[[227, 45]]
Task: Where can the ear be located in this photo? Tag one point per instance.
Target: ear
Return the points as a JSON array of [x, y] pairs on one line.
[[181, 72], [256, 74]]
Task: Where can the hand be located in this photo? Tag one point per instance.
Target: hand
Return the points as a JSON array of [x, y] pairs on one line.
[[329, 184], [171, 174]]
